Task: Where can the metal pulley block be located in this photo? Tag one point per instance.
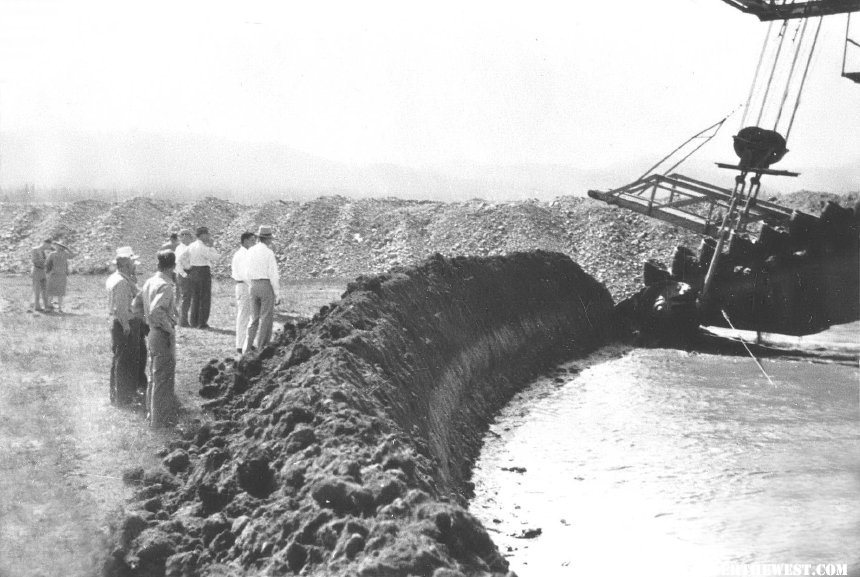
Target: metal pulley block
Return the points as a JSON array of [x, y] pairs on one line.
[[758, 148]]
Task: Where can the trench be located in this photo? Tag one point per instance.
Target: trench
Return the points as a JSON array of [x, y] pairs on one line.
[[346, 446]]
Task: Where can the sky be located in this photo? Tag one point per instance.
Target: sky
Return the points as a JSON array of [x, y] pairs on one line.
[[137, 94]]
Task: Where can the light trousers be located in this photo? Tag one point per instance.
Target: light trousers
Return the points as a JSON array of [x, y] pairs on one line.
[[160, 397], [262, 297], [243, 313]]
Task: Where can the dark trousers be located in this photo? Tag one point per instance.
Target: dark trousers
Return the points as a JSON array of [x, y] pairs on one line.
[[128, 368], [201, 296], [183, 287]]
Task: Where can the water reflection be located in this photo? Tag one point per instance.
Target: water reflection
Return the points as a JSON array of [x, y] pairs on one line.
[[664, 462]]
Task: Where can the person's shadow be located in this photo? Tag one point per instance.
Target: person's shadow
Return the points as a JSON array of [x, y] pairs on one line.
[[285, 318], [220, 331]]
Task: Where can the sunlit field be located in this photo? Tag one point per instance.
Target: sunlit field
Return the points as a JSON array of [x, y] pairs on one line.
[[63, 447]]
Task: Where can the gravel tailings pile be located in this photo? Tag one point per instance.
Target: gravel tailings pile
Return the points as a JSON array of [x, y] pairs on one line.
[[340, 237], [345, 447]]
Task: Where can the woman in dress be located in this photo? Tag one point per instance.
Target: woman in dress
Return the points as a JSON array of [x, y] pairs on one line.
[[57, 267]]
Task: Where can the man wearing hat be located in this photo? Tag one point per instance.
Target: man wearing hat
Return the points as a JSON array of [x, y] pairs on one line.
[[243, 305], [200, 257], [261, 270], [183, 287], [39, 258], [172, 242], [128, 368]]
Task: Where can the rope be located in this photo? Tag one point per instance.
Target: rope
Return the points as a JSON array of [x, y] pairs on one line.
[[743, 342], [845, 50], [755, 75], [772, 70], [803, 80], [798, 45], [717, 124]]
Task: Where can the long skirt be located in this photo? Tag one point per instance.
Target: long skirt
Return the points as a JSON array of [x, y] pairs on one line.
[[57, 282]]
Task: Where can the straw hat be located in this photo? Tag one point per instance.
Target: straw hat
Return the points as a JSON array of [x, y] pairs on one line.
[[125, 252], [264, 231]]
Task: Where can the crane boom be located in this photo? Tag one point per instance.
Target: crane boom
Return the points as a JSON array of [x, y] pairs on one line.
[[771, 10]]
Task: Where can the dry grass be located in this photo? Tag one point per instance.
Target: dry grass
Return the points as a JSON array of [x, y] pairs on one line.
[[63, 447]]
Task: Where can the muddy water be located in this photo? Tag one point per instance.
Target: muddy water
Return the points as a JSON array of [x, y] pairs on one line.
[[645, 462]]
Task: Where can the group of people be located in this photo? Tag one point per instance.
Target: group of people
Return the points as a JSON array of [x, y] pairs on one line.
[[179, 294], [140, 317], [50, 271], [254, 268]]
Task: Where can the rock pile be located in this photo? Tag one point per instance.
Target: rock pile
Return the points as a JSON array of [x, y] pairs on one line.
[[342, 238], [345, 447]]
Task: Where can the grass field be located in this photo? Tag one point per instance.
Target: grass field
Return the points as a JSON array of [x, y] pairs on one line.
[[63, 447]]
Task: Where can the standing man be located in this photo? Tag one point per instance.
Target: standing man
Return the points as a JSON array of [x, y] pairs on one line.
[[237, 271], [39, 258], [129, 357], [159, 310], [261, 269], [183, 265], [201, 258], [172, 242]]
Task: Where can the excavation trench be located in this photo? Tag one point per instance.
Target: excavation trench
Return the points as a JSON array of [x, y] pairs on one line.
[[346, 446]]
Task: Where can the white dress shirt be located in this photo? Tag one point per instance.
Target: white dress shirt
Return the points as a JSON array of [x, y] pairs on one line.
[[260, 263], [181, 251], [237, 267], [201, 255]]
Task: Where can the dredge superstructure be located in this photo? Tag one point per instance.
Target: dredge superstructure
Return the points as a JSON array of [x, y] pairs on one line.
[[760, 265]]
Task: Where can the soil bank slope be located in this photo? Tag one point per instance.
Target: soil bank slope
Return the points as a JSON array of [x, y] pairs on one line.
[[345, 447]]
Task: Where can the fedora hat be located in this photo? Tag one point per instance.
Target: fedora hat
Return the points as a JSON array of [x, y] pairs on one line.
[[264, 231], [125, 252], [61, 245], [202, 230]]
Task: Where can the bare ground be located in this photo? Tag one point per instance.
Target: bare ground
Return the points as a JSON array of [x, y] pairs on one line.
[[63, 447]]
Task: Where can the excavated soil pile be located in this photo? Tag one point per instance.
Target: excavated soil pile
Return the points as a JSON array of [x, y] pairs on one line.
[[345, 447]]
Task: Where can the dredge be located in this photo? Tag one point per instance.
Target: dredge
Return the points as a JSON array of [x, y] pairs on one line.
[[760, 266]]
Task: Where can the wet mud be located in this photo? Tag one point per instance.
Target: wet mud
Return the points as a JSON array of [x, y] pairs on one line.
[[346, 446]]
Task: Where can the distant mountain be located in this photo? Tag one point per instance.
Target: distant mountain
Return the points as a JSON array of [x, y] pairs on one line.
[[188, 166]]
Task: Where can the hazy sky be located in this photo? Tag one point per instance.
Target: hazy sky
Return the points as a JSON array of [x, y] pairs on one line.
[[585, 85]]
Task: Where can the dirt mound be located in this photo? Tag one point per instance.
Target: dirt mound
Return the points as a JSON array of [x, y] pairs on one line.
[[345, 447], [138, 222], [343, 238]]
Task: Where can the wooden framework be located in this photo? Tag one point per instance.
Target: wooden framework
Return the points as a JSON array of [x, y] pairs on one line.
[[689, 203], [767, 10]]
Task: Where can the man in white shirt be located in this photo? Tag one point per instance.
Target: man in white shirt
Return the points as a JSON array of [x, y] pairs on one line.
[[200, 258], [243, 303], [261, 269], [183, 288]]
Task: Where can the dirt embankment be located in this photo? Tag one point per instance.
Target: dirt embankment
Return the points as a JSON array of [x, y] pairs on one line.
[[345, 447]]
